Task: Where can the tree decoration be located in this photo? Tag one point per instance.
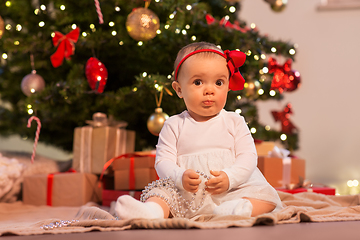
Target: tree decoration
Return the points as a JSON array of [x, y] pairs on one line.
[[96, 74], [210, 20], [286, 125], [142, 23], [156, 120], [98, 11], [66, 46], [36, 135], [284, 78], [32, 83], [277, 5], [2, 27]]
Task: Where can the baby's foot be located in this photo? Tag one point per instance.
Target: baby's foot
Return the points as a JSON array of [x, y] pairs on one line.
[[128, 207], [240, 207]]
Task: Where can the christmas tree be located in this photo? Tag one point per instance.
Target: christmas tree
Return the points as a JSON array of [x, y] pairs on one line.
[[52, 43]]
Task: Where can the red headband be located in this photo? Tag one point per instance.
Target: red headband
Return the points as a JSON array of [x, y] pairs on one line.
[[234, 59]]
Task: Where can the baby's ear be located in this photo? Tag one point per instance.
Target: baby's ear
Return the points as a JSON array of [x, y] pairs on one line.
[[176, 86]]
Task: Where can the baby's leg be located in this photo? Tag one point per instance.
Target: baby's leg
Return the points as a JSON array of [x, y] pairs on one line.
[[260, 206], [128, 207], [239, 207]]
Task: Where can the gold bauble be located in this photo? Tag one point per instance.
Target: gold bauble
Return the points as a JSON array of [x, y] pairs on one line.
[[2, 27], [278, 5], [156, 121], [142, 24]]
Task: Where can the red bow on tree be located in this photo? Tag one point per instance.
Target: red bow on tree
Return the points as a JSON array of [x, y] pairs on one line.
[[235, 59], [284, 78], [286, 126], [66, 46]]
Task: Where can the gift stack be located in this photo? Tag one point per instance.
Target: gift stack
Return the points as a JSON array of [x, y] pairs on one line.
[[94, 145], [283, 172], [132, 173]]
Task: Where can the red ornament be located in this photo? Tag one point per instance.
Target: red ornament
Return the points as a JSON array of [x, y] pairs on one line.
[[96, 74], [284, 78], [286, 125]]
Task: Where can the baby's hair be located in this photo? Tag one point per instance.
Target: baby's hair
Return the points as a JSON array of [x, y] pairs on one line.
[[193, 47]]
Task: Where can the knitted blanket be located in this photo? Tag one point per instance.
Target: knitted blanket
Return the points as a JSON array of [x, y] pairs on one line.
[[19, 219]]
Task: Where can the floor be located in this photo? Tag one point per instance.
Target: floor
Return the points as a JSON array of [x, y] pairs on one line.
[[299, 231]]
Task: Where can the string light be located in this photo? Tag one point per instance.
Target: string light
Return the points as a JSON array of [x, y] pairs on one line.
[[73, 26], [238, 97], [256, 57], [117, 8], [177, 31], [4, 56], [253, 130], [140, 43], [43, 7], [263, 56], [253, 26], [261, 91], [18, 27], [111, 24], [248, 52], [62, 7], [232, 9], [273, 49], [227, 18], [188, 7], [144, 74], [41, 24], [265, 70], [283, 137], [238, 111], [272, 93], [8, 27], [193, 38], [158, 31], [267, 128], [30, 111], [84, 34], [184, 32], [134, 89], [121, 43], [171, 16], [292, 51], [113, 33], [8, 3], [167, 26], [16, 43], [187, 26]]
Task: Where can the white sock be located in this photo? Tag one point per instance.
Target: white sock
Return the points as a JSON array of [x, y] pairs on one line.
[[241, 207], [128, 207]]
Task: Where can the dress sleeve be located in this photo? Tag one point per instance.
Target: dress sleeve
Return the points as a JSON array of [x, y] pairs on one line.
[[166, 154], [245, 155]]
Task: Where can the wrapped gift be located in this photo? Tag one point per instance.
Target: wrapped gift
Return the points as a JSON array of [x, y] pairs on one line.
[[264, 147], [134, 171], [100, 141], [112, 195], [61, 189], [281, 172], [323, 190]]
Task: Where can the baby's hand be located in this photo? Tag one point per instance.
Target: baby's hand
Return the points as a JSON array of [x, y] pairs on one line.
[[191, 181], [219, 183]]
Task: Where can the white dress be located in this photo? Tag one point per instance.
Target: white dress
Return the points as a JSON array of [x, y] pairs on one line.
[[223, 143]]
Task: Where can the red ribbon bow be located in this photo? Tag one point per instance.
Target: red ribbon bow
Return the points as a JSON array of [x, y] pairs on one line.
[[284, 78], [66, 46], [235, 59]]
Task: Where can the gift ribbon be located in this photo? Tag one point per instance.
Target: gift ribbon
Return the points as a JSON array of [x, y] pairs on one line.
[[132, 157], [65, 44], [85, 149], [286, 174], [49, 187]]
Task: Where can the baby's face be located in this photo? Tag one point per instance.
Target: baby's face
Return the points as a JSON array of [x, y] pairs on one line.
[[203, 83]]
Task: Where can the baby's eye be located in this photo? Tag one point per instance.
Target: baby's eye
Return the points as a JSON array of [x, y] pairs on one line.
[[219, 82], [197, 82]]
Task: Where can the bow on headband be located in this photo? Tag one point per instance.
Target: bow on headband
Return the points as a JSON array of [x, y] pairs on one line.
[[234, 59], [66, 46]]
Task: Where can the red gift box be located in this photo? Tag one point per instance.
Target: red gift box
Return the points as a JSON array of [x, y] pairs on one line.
[[112, 195], [322, 190]]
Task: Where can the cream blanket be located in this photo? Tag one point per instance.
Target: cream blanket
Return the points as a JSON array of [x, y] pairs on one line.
[[19, 219]]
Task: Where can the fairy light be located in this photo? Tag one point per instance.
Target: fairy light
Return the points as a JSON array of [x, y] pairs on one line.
[[140, 43], [113, 33], [84, 34], [272, 93], [111, 24], [16, 43], [29, 106], [32, 90], [18, 27], [187, 26], [157, 1], [355, 183], [261, 91], [117, 8], [227, 18], [265, 70], [8, 27], [292, 51], [43, 7], [188, 7], [256, 57], [267, 128], [62, 7], [184, 32], [177, 31], [167, 26], [238, 97], [283, 137], [253, 130], [273, 49], [158, 31], [121, 43], [263, 56], [52, 34], [193, 38], [30, 111], [36, 11], [253, 26], [8, 3], [92, 26], [73, 26], [157, 86], [169, 76], [248, 52], [41, 24], [4, 56], [171, 16], [144, 74], [238, 111], [232, 9]]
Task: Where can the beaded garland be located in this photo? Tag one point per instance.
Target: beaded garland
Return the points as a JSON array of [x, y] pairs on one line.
[[178, 205]]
